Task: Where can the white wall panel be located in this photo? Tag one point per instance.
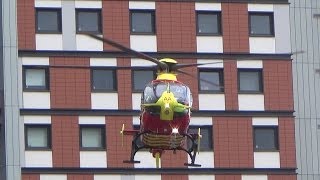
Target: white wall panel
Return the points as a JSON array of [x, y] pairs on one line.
[[35, 61], [254, 177], [135, 120], [86, 43], [47, 3], [37, 119], [39, 100], [88, 3], [146, 160], [104, 100], [218, 63], [92, 120], [97, 159], [48, 41], [105, 177], [147, 177], [103, 61], [145, 43], [250, 64], [260, 7], [142, 5], [265, 121], [38, 158], [136, 101], [208, 6], [53, 177], [201, 121], [205, 159], [201, 177], [251, 102], [266, 160], [213, 44], [141, 62], [262, 44], [212, 102]]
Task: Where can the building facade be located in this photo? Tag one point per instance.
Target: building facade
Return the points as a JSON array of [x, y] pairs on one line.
[[72, 99]]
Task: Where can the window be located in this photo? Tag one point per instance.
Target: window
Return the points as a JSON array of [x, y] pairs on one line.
[[208, 23], [250, 80], [88, 21], [141, 78], [36, 78], [142, 22], [211, 80], [261, 24], [206, 143], [48, 20], [92, 137], [266, 138], [103, 80], [139, 141], [38, 136]]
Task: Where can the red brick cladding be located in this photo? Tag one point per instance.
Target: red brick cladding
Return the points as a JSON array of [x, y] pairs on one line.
[[124, 84], [235, 27], [70, 87], [282, 177], [115, 20], [174, 177], [26, 25], [30, 177], [287, 142], [176, 27], [116, 153], [277, 77], [65, 141], [233, 144], [171, 160], [231, 84], [227, 177], [80, 177]]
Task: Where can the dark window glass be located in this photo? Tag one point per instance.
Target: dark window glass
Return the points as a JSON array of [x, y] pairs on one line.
[[92, 137], [261, 24], [35, 78], [266, 138], [38, 137], [250, 81], [139, 141], [210, 80], [89, 20], [206, 142], [141, 78], [103, 80], [48, 20], [208, 23], [142, 22]]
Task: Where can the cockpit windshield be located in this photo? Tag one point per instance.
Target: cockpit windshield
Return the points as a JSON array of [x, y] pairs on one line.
[[154, 90]]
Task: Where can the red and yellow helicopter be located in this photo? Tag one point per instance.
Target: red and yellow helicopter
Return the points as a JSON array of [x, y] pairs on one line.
[[165, 111]]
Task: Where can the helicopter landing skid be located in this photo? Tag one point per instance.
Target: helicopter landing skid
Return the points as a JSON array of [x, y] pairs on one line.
[[130, 162]]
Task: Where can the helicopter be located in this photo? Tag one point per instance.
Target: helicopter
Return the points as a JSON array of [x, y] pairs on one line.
[[165, 111]]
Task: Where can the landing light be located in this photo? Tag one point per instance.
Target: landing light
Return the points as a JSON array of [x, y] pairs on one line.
[[175, 131]]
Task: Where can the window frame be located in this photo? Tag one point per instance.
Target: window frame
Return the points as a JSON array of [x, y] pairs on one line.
[[115, 79], [140, 69], [153, 21], [49, 136], [260, 71], [211, 139], [219, 24], [271, 25], [276, 139], [99, 23], [47, 79], [221, 80], [103, 137], [59, 22]]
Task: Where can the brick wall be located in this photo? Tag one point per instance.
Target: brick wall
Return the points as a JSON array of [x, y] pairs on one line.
[[282, 177], [30, 177], [124, 84], [231, 84], [277, 77], [80, 177], [26, 24], [176, 27], [70, 87], [287, 142], [228, 177], [115, 17], [171, 160], [65, 141], [233, 142], [235, 27], [174, 177]]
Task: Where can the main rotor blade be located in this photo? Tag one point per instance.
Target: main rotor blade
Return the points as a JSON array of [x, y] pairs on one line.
[[178, 66], [126, 49], [204, 80], [113, 67]]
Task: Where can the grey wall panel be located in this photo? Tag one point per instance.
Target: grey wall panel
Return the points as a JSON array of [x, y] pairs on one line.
[[282, 31], [68, 25]]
